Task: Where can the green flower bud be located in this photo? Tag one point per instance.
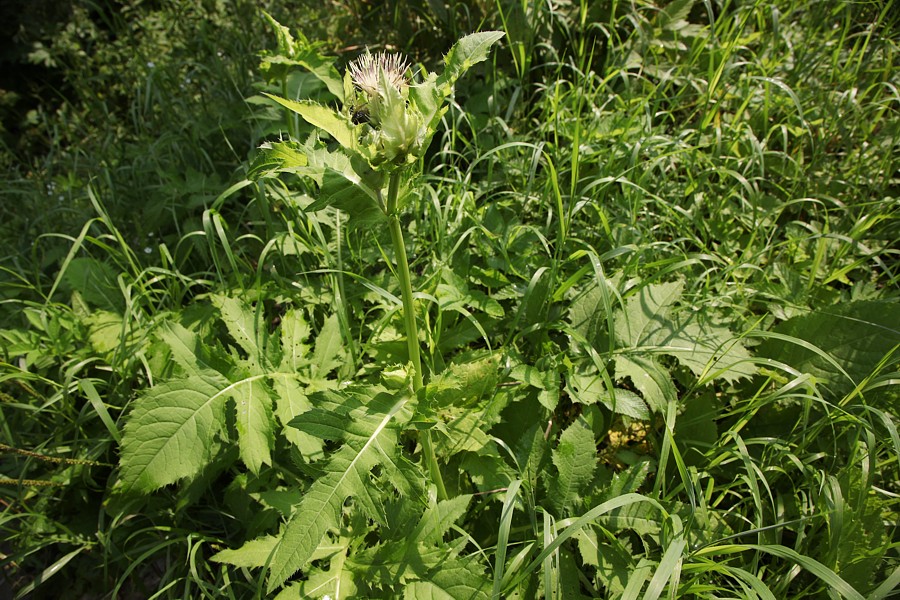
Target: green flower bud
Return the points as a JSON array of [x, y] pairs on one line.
[[395, 130]]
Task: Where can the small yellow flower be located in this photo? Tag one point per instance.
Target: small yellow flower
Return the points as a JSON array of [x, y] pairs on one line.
[[366, 71]]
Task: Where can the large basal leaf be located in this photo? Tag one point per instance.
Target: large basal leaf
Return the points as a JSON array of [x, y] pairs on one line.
[[650, 378], [368, 428], [170, 432], [648, 324], [855, 336]]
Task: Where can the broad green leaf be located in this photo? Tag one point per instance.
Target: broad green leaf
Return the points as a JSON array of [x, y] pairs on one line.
[[368, 430], [334, 123], [546, 381], [169, 434], [424, 570], [709, 351], [106, 330], [588, 311], [345, 183], [590, 389], [453, 579], [252, 554], [187, 350], [487, 469], [647, 314], [854, 337], [648, 324], [675, 11], [613, 562], [254, 422], [290, 402], [530, 375], [337, 583], [575, 458], [464, 433], [628, 481], [464, 382], [96, 281]]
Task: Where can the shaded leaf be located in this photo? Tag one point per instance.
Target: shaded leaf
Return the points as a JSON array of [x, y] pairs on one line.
[[590, 389], [856, 336]]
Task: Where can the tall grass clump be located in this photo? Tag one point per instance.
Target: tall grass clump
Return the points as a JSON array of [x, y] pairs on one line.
[[601, 304]]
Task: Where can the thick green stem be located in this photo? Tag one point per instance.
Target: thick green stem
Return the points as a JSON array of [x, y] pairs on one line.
[[409, 319]]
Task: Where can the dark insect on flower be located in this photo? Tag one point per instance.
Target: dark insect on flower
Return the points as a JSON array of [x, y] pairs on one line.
[[359, 114]]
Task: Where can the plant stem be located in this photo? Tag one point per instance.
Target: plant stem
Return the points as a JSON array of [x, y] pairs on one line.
[[409, 319]]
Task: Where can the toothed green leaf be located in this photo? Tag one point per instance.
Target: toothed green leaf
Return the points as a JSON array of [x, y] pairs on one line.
[[575, 458], [170, 432], [367, 426]]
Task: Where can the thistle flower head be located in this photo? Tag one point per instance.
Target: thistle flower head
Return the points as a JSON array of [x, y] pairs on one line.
[[366, 70]]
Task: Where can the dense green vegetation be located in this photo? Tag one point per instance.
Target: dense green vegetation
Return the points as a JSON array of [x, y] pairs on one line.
[[654, 257]]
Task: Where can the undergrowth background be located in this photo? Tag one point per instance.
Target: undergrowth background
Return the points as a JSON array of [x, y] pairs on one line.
[[656, 253]]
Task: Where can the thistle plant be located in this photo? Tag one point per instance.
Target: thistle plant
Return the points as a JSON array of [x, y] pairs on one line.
[[385, 125]]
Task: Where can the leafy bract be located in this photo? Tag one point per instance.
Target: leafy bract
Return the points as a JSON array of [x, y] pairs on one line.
[[402, 120], [467, 52], [300, 52], [277, 157], [328, 120]]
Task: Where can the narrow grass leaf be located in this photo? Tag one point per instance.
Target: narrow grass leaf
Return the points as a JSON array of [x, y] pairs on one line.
[[668, 569], [509, 506]]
